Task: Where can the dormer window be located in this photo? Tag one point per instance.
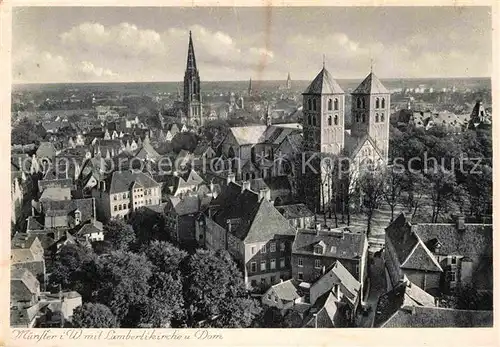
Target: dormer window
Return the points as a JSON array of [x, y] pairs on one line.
[[318, 250]]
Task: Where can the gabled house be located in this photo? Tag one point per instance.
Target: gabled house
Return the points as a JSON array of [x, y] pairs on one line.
[[27, 253], [67, 213], [440, 257], [316, 250], [298, 215], [123, 192], [250, 228]]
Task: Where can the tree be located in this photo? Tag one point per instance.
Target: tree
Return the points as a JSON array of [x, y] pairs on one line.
[[67, 261], [164, 256], [371, 184], [119, 235], [214, 291], [147, 225], [124, 284], [415, 185], [442, 190], [164, 303], [393, 185], [93, 315], [25, 132]]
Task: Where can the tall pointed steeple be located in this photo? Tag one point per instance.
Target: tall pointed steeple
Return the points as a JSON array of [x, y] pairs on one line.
[[192, 96], [288, 82], [250, 87], [191, 59]]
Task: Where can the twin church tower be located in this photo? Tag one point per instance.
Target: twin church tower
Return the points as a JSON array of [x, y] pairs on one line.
[[324, 116]]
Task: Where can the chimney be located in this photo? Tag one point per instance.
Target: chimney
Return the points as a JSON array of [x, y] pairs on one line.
[[460, 222], [263, 193], [318, 228], [281, 280], [231, 178], [228, 225], [245, 185]]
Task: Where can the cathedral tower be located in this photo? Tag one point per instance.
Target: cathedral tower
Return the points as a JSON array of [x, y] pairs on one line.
[[192, 98], [370, 112], [323, 115]]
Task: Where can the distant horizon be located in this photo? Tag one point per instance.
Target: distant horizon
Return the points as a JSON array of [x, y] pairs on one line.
[[253, 80]]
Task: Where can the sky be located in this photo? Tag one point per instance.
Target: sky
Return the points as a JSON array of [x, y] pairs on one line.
[[104, 44]]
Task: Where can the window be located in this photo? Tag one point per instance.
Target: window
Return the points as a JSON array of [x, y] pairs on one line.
[[336, 105], [124, 206], [377, 103], [253, 249], [357, 118], [314, 104], [452, 276], [273, 247], [309, 120], [330, 104], [300, 276], [273, 264], [115, 208], [329, 120], [383, 102], [263, 249], [362, 103], [124, 196], [282, 263], [376, 117], [382, 117], [363, 118], [317, 263], [268, 296], [300, 262], [275, 298], [263, 281], [263, 265], [453, 260], [282, 246], [357, 269], [309, 104], [318, 250], [336, 119], [314, 120], [253, 266], [358, 103], [115, 197], [273, 279]]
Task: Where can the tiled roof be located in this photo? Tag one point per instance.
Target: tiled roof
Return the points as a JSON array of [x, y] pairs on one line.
[[56, 194], [287, 290], [324, 83], [33, 224], [340, 244], [371, 85], [248, 134], [403, 294], [46, 150], [121, 181], [57, 183], [89, 228], [437, 317], [65, 207], [295, 211], [257, 184], [327, 313], [24, 275], [24, 316]]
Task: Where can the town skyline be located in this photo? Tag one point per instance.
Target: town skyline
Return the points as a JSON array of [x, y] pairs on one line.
[[96, 46]]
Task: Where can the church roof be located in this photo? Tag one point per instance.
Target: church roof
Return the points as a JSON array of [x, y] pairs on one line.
[[371, 85], [324, 84]]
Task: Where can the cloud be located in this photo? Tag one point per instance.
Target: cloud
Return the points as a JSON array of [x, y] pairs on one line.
[[30, 64]]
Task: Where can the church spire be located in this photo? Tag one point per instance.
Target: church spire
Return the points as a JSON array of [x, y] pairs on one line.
[[191, 59], [250, 87]]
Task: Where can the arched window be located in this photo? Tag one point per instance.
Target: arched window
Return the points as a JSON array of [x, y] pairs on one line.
[[314, 120], [377, 103], [314, 104], [329, 120], [336, 119], [382, 118], [376, 117], [362, 103], [357, 118], [253, 175], [358, 103], [309, 120], [336, 104], [330, 104], [194, 87], [383, 102], [309, 104], [363, 118]]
